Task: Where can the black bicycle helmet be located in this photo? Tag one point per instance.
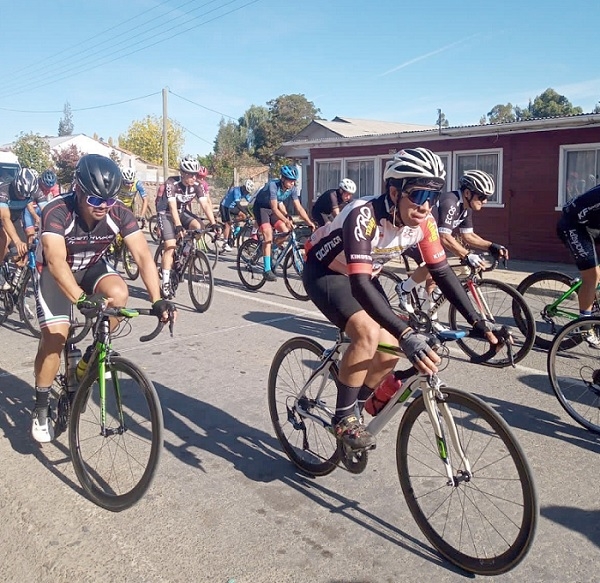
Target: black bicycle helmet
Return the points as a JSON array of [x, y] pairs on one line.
[[98, 175], [26, 183]]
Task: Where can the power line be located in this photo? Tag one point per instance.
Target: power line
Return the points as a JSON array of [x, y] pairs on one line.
[[89, 66], [83, 108], [202, 106], [196, 135]]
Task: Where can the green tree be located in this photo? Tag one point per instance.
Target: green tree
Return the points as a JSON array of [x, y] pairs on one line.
[[596, 108], [144, 138], [65, 161], [33, 151], [251, 122], [551, 104], [65, 125], [441, 121], [501, 114]]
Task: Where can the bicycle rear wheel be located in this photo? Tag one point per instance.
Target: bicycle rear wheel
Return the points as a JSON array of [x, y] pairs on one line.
[[310, 444], [200, 281], [293, 265], [575, 373], [499, 302], [541, 290], [484, 521], [153, 228], [27, 304], [116, 464], [129, 264], [249, 264]]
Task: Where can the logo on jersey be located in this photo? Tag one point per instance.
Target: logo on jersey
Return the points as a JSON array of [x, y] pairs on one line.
[[365, 224], [433, 232], [328, 247]]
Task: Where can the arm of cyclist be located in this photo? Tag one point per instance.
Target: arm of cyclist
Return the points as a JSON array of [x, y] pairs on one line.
[[8, 226], [304, 215], [175, 216], [279, 211]]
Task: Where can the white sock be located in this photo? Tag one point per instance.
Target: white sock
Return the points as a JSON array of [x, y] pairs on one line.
[[166, 275], [408, 285]]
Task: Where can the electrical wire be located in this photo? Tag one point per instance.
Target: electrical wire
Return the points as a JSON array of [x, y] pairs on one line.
[[202, 106]]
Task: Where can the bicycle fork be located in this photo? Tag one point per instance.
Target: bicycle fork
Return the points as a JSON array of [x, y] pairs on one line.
[[437, 409]]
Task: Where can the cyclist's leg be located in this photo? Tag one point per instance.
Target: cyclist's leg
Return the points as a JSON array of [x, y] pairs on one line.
[[103, 279], [169, 243], [206, 205], [265, 225], [226, 219]]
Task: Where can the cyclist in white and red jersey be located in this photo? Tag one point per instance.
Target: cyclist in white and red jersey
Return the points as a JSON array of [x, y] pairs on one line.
[[342, 261], [77, 230]]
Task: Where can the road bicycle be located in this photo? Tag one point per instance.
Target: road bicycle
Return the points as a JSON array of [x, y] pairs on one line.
[[464, 476], [118, 251], [552, 297], [244, 229], [22, 293], [113, 415], [192, 264], [289, 256], [494, 301], [574, 371], [208, 239]]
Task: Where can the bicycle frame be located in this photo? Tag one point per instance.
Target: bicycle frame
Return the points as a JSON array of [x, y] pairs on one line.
[[430, 386], [553, 310]]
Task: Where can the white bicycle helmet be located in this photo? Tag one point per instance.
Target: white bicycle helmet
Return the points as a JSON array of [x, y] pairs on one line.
[[189, 164], [478, 181], [348, 185], [249, 186], [128, 175], [418, 166]]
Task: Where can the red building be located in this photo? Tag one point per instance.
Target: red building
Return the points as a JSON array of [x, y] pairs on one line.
[[538, 165]]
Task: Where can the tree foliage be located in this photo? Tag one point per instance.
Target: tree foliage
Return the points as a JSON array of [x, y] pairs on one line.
[[502, 114], [65, 125], [65, 161], [144, 138], [32, 151], [441, 121]]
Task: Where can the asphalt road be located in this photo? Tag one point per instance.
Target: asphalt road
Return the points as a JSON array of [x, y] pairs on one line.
[[227, 505]]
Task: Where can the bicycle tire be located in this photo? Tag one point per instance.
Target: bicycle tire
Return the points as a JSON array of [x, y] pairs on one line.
[[207, 243], [27, 304], [201, 283], [153, 229], [540, 290], [132, 269], [249, 264], [389, 280], [244, 234], [575, 373], [503, 301], [292, 275], [298, 434], [501, 478], [143, 433]]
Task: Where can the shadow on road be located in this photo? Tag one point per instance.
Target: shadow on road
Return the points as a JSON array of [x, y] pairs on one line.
[[585, 522]]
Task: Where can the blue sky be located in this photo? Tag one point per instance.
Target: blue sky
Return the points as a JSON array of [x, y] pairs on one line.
[[373, 59]]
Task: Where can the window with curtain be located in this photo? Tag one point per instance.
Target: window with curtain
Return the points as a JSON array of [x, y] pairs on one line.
[[328, 174], [488, 162], [362, 172], [581, 172]]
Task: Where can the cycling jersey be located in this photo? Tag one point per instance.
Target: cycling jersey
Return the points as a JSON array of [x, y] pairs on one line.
[[361, 238], [176, 190], [325, 205], [452, 213], [127, 193], [84, 247], [272, 190], [584, 209], [233, 197], [10, 200]]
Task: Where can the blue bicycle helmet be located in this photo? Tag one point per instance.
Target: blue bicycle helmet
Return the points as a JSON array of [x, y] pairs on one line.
[[48, 178], [289, 172]]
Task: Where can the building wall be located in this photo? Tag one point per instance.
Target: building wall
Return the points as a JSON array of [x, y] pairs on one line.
[[526, 222]]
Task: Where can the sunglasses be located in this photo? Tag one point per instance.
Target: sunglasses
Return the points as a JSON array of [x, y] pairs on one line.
[[98, 201], [420, 197], [481, 197]]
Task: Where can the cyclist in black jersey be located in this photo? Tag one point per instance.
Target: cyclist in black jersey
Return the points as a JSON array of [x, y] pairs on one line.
[[174, 215], [579, 229], [454, 212], [77, 230], [343, 259], [331, 202]]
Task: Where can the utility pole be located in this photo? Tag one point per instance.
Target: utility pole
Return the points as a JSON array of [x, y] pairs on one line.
[[165, 120]]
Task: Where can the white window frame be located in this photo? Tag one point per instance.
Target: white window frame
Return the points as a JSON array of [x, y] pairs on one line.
[[564, 149], [362, 159], [498, 179], [316, 163]]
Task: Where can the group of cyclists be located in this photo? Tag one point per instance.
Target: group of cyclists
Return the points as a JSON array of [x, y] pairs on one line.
[[351, 240]]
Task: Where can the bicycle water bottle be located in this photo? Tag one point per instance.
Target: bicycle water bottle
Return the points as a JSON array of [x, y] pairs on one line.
[[382, 394], [73, 358]]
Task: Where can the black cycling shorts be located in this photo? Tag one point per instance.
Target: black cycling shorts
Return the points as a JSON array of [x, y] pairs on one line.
[[580, 241]]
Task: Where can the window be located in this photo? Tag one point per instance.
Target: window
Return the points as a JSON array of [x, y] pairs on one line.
[[579, 170], [328, 176], [487, 161], [362, 172]]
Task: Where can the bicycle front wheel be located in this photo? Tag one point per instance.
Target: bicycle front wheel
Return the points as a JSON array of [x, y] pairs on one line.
[[115, 461], [541, 290], [575, 373], [293, 265], [484, 520], [301, 415], [27, 304], [131, 267], [153, 228], [200, 281], [504, 305], [249, 264], [208, 243]]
